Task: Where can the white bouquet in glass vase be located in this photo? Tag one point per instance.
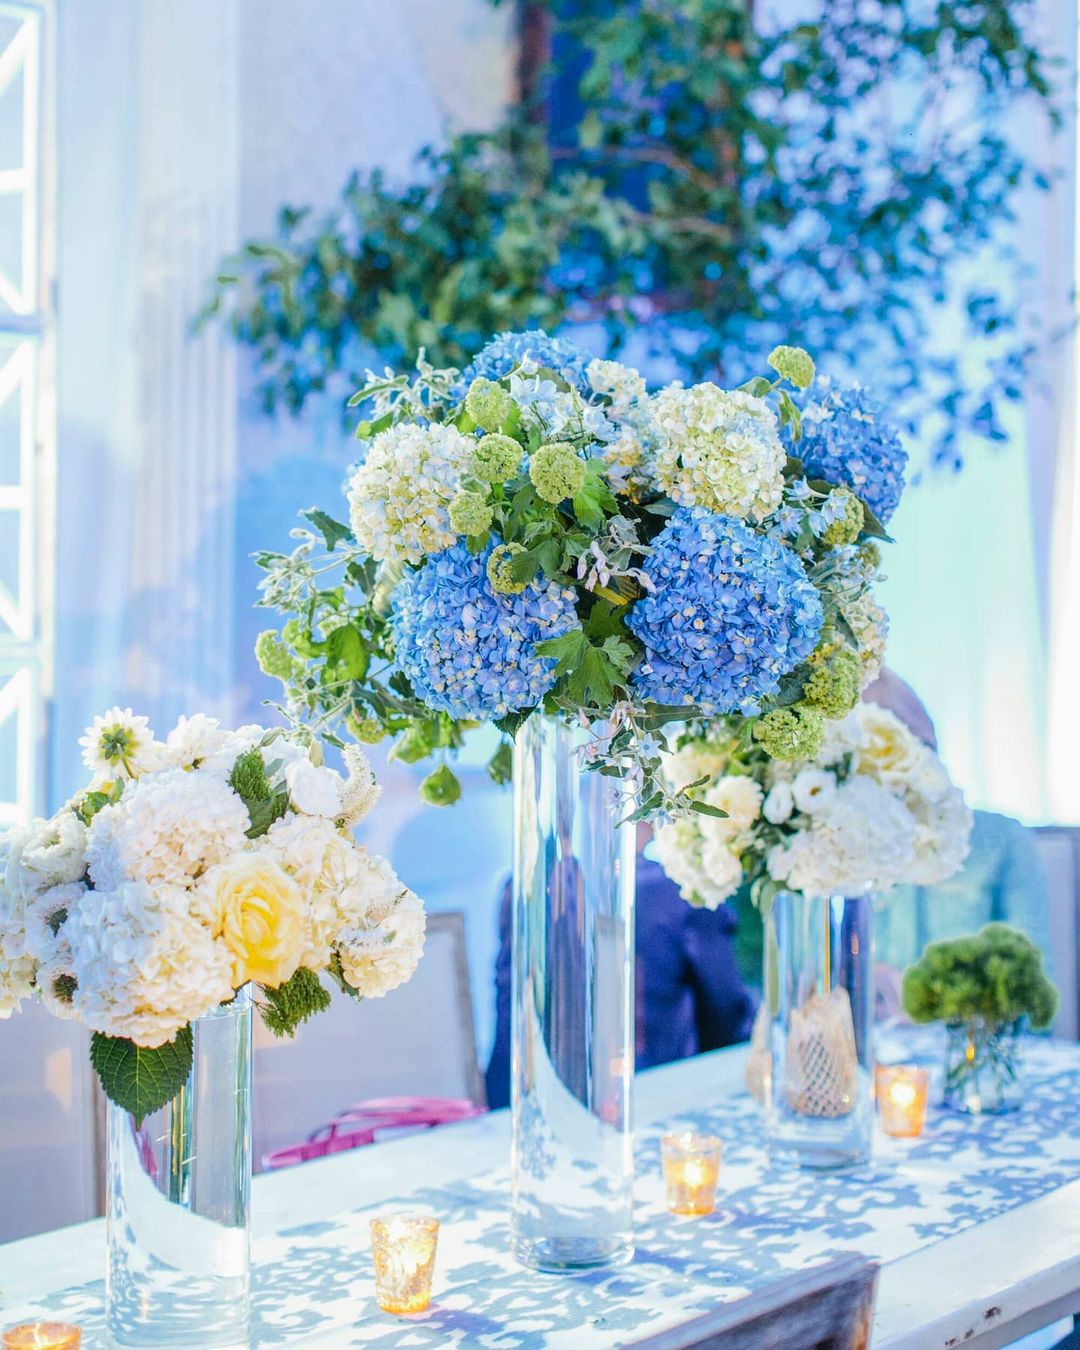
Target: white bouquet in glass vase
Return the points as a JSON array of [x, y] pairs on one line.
[[187, 870]]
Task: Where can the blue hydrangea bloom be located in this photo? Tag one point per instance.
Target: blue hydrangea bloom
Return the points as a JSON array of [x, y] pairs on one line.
[[468, 651], [847, 440], [505, 352], [732, 611]]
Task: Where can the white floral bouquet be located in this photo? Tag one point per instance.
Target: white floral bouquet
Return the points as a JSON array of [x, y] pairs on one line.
[[873, 809], [187, 870], [540, 532]]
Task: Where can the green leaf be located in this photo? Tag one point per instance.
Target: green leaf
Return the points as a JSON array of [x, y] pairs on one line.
[[331, 530], [263, 814], [501, 764], [291, 1004], [336, 973], [441, 787], [347, 655], [138, 1080], [595, 501], [704, 809]]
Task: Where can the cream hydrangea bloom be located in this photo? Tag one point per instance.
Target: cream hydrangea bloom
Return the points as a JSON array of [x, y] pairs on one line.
[[17, 965], [399, 497], [167, 829], [719, 449], [705, 875], [384, 953], [144, 966]]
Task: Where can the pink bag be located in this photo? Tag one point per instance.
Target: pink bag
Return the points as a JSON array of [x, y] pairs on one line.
[[358, 1125]]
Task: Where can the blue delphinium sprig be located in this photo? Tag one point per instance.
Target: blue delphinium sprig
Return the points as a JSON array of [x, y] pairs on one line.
[[731, 611], [847, 439], [468, 651]]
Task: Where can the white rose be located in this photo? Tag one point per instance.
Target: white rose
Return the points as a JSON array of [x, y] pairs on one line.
[[314, 789], [779, 804], [814, 791]]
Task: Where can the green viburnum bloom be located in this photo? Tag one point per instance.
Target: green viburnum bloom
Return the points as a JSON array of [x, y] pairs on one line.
[[790, 733], [557, 471], [470, 513], [846, 527], [835, 680], [496, 458], [500, 569], [273, 656], [794, 364], [366, 730], [488, 403]]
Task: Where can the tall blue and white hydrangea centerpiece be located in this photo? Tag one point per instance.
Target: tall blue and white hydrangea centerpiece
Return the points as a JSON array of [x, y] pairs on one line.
[[540, 543]]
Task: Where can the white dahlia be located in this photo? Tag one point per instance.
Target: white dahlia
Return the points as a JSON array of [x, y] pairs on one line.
[[144, 966], [167, 829], [719, 449], [193, 740], [120, 745], [399, 497]]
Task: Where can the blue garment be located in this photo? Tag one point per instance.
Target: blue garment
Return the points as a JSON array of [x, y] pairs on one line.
[[690, 997]]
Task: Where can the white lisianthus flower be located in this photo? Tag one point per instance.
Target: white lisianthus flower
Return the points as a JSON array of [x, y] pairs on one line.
[[399, 497], [814, 791], [314, 789], [718, 449], [143, 965], [167, 829], [384, 954], [120, 745], [52, 853], [779, 803], [193, 740]]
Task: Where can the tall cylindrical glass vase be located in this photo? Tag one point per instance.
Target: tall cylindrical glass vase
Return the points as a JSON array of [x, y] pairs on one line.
[[573, 1007], [819, 1105], [179, 1263]]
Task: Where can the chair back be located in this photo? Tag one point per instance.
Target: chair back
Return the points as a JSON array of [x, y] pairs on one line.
[[417, 1042], [1058, 847], [829, 1307]]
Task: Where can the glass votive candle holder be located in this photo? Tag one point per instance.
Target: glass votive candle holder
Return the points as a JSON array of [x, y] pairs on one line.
[[404, 1252], [42, 1336], [691, 1169], [901, 1091]]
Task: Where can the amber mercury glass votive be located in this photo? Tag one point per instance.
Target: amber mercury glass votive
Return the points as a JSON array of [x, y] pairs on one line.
[[901, 1091], [404, 1253], [691, 1168], [42, 1336]]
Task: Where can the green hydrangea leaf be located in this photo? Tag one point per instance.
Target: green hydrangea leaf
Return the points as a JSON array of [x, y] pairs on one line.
[[139, 1080]]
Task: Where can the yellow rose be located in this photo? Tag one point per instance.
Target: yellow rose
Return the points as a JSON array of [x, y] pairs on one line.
[[258, 912], [888, 751]]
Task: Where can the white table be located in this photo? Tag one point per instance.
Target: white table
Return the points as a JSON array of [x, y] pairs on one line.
[[987, 1284]]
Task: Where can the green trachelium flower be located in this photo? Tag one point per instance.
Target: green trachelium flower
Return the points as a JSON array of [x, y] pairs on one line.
[[500, 566], [470, 513], [487, 403], [557, 471], [845, 526], [366, 730], [496, 458], [835, 679], [273, 656], [995, 975], [790, 733], [794, 364]]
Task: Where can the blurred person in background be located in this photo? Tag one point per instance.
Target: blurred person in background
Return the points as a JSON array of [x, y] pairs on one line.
[[690, 995]]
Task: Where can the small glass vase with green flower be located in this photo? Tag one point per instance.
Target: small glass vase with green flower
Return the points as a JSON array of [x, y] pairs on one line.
[[987, 988]]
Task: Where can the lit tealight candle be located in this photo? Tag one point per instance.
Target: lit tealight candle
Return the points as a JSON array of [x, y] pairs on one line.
[[404, 1253], [901, 1091], [43, 1336], [691, 1168]]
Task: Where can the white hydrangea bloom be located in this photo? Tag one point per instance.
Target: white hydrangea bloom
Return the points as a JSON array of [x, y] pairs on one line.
[[865, 840], [385, 952], [719, 449], [193, 740], [399, 497], [738, 795], [17, 965], [707, 881], [144, 966], [692, 762], [167, 829]]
